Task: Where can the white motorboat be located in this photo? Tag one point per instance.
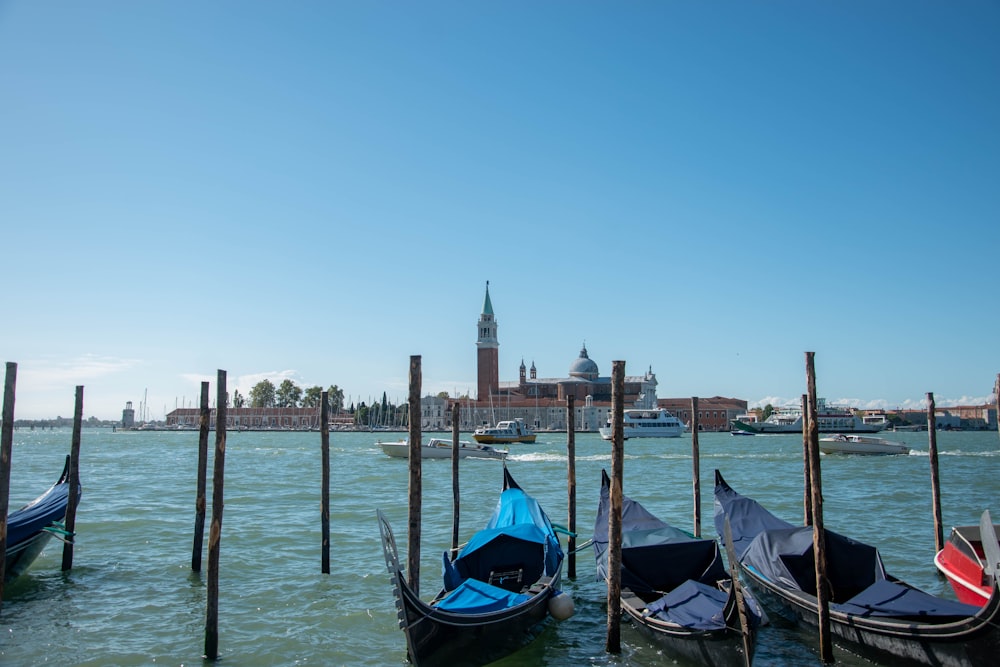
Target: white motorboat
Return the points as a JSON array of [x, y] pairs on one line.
[[505, 432], [437, 448], [652, 423], [849, 443]]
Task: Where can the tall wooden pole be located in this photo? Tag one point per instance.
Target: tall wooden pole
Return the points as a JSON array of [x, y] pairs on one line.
[[215, 531], [74, 481], [571, 483], [204, 419], [6, 450], [819, 534], [415, 488], [455, 497], [614, 640], [932, 452], [695, 466], [324, 436], [807, 493], [996, 399]]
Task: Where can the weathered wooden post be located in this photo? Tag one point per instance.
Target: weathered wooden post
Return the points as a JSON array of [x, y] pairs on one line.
[[571, 484], [6, 449], [455, 497], [215, 531], [996, 400], [324, 436], [415, 488], [819, 535], [74, 481], [614, 640], [695, 466], [932, 452], [204, 419], [807, 493]]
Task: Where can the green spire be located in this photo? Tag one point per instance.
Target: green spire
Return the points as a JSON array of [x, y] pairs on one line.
[[488, 306]]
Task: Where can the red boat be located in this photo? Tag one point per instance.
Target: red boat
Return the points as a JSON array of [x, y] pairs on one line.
[[970, 560]]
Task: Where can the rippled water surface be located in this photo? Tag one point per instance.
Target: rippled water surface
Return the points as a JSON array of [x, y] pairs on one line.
[[132, 599]]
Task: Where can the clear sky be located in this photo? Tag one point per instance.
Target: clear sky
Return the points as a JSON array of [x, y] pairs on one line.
[[318, 190]]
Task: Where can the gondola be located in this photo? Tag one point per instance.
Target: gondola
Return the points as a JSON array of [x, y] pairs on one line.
[[30, 528], [871, 612], [675, 587], [497, 591]]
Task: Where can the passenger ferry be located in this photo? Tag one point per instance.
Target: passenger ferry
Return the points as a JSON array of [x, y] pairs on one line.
[[830, 418], [655, 423]]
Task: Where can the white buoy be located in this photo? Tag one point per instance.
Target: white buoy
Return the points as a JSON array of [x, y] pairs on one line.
[[561, 606]]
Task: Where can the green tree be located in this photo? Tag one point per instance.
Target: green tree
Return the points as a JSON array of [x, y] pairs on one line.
[[238, 399], [313, 397], [768, 410], [287, 395], [336, 397], [442, 394], [262, 395]]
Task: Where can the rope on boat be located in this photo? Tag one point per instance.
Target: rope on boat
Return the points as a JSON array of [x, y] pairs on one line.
[[59, 531], [563, 529], [583, 546]]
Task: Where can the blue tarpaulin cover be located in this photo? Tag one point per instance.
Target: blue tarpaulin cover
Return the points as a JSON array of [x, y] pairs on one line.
[[692, 605], [478, 597], [25, 522]]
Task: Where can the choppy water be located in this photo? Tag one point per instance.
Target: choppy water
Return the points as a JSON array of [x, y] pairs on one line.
[[131, 598]]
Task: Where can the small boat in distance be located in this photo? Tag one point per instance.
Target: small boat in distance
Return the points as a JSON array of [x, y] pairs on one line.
[[498, 589], [646, 423], [30, 528], [849, 443], [437, 448], [871, 612], [674, 587], [970, 559], [504, 433]]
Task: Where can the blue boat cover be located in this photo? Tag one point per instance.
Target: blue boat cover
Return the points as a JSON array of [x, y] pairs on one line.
[[478, 597], [46, 509], [692, 605], [783, 554], [517, 547]]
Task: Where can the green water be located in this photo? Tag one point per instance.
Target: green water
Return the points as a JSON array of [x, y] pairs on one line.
[[131, 598]]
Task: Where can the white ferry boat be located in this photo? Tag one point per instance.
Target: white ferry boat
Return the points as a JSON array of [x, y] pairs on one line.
[[653, 423], [831, 419]]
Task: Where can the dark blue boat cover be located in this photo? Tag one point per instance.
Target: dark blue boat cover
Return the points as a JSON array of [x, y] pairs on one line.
[[692, 605], [783, 554], [478, 597], [42, 512], [518, 539]]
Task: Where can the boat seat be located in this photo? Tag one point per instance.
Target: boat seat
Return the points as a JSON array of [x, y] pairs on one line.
[[509, 578]]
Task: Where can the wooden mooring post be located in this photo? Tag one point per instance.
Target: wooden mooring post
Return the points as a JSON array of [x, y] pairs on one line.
[[571, 484], [324, 512], [932, 453], [455, 496], [807, 494], [695, 466], [215, 531], [819, 535], [73, 500], [614, 637], [6, 449], [204, 417], [415, 485]]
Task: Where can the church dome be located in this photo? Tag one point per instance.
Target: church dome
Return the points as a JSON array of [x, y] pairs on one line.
[[583, 366]]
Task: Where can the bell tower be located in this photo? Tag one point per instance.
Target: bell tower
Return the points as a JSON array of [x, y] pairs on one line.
[[488, 351]]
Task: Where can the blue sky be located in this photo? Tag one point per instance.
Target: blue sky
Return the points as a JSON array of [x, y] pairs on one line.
[[318, 190]]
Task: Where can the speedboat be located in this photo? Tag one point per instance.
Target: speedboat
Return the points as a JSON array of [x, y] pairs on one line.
[[505, 432], [848, 443], [437, 448], [639, 423], [970, 559]]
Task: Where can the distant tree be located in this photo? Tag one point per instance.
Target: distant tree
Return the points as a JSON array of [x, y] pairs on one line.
[[287, 395], [767, 412], [262, 395], [443, 394], [238, 399], [313, 397], [336, 397]]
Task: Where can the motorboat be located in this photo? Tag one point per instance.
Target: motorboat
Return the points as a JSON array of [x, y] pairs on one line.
[[830, 418], [849, 443], [646, 423], [970, 559], [438, 448], [505, 432]]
